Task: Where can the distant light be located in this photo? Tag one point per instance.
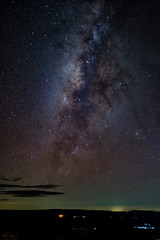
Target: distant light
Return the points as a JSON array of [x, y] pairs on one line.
[[144, 227], [79, 216], [61, 215], [117, 209]]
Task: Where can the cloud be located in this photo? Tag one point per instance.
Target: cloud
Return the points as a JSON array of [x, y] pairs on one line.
[[15, 179], [17, 190], [46, 186], [30, 193], [3, 178], [3, 200]]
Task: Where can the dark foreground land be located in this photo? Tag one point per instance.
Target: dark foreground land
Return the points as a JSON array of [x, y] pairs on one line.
[[78, 224]]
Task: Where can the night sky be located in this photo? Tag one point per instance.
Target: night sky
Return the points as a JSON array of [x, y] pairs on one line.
[[80, 104]]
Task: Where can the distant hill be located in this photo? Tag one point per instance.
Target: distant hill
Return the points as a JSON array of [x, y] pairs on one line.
[[78, 224]]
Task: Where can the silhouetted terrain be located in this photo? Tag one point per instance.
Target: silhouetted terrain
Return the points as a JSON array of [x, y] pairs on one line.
[[79, 224]]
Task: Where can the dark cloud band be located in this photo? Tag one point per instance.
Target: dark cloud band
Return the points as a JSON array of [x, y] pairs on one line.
[[30, 193], [46, 186]]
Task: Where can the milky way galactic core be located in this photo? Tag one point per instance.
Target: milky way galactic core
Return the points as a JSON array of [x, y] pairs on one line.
[[80, 104]]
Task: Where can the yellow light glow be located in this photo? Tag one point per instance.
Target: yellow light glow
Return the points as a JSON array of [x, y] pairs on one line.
[[61, 215], [117, 209]]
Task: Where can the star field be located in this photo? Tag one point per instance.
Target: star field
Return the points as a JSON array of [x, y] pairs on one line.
[[80, 105]]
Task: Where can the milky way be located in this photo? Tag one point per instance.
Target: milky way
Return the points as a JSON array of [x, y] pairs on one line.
[[80, 101]]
